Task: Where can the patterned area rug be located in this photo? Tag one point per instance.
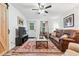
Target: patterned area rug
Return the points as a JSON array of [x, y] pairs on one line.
[[29, 49]]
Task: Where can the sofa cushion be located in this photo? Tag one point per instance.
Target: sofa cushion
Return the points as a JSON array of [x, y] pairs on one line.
[[72, 34], [57, 39], [64, 36], [58, 33], [53, 34]]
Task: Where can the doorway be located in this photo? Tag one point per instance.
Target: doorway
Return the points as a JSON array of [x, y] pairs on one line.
[[44, 29], [32, 29]]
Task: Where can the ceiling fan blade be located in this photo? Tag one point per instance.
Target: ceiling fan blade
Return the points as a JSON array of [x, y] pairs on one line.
[[39, 4], [48, 6], [46, 11], [34, 9]]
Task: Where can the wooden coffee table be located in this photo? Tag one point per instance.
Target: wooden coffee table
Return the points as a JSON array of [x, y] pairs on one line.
[[41, 44]]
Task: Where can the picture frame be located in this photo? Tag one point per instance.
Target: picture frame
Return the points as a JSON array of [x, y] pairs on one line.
[[69, 21], [20, 21]]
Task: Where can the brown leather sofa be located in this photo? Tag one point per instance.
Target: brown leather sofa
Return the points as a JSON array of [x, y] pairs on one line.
[[62, 43]]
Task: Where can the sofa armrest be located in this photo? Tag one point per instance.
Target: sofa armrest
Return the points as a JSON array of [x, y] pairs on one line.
[[64, 43], [74, 46], [69, 39], [70, 53]]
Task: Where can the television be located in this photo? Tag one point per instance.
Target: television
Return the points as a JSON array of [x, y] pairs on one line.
[[22, 31]]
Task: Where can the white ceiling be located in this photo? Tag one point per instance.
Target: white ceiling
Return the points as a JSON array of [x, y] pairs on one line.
[[56, 11]]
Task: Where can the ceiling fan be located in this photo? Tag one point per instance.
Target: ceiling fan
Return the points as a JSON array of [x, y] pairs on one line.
[[42, 8]]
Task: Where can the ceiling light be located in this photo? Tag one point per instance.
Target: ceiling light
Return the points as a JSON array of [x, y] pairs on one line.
[[41, 11]]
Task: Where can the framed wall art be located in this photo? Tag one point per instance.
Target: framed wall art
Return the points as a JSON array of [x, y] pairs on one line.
[[20, 21], [69, 21]]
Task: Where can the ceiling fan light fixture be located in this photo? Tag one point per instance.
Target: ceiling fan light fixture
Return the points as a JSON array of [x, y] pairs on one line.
[[42, 8], [42, 3], [41, 11]]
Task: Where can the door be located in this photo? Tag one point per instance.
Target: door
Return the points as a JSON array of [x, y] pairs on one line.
[[3, 29], [44, 29], [32, 29]]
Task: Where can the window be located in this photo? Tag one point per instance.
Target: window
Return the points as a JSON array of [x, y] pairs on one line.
[[43, 28], [31, 26]]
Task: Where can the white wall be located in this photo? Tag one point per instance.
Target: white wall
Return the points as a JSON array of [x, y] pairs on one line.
[[74, 11], [52, 22], [13, 14]]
